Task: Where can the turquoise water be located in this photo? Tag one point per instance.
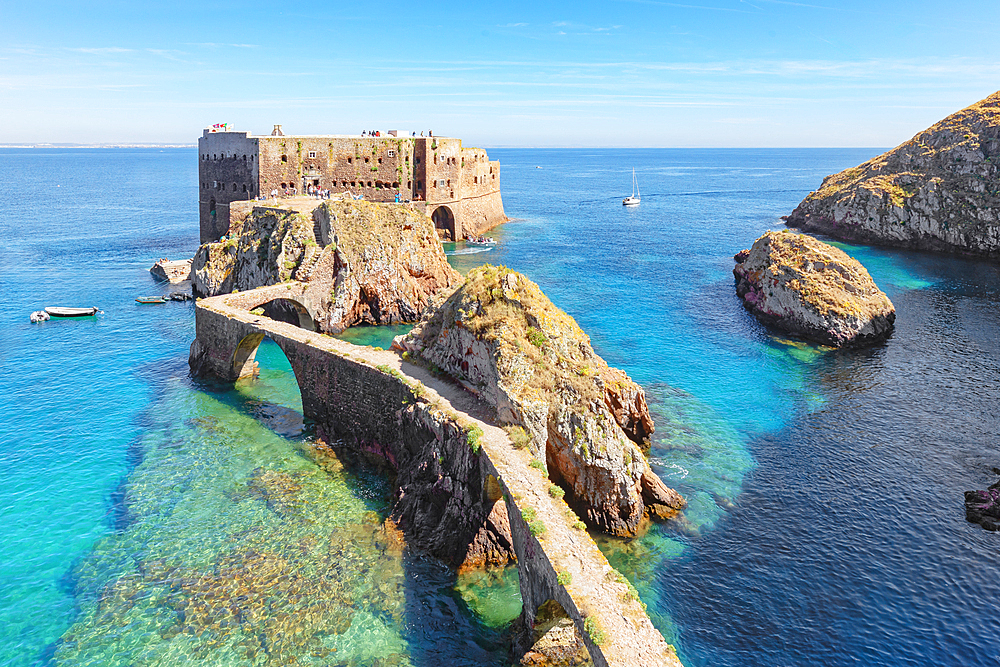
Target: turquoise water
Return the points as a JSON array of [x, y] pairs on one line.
[[150, 519], [380, 337]]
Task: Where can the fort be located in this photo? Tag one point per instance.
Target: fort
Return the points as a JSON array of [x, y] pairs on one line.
[[458, 187]]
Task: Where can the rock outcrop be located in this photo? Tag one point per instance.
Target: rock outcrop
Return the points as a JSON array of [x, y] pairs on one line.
[[502, 338], [983, 507], [364, 263], [806, 287], [176, 271], [939, 191]]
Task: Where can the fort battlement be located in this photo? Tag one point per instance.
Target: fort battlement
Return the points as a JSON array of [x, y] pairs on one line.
[[458, 187]]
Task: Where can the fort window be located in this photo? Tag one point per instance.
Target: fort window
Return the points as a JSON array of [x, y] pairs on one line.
[[352, 184], [409, 184], [283, 186], [234, 187], [395, 185], [389, 154], [244, 158], [349, 160], [244, 187], [312, 153], [417, 161], [369, 183], [380, 160], [366, 159], [284, 158]]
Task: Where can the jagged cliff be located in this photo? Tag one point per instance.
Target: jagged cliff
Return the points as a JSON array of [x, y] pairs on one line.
[[938, 191], [364, 263], [810, 288], [587, 423]]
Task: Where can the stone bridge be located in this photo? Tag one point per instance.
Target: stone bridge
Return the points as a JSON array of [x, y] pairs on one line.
[[448, 485]]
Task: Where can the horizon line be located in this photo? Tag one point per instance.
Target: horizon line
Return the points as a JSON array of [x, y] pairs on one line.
[[142, 144]]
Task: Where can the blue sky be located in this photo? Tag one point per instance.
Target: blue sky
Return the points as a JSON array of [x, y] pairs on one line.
[[612, 73]]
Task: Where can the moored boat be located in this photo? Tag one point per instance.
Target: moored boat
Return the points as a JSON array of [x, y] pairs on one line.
[[59, 311], [151, 299]]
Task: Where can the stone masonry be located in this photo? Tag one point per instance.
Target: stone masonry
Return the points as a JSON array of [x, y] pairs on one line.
[[458, 187]]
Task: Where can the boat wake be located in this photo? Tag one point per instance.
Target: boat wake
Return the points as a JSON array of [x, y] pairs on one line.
[[467, 251]]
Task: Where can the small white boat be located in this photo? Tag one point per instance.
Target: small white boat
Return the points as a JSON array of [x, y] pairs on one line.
[[58, 311], [634, 199], [483, 241]]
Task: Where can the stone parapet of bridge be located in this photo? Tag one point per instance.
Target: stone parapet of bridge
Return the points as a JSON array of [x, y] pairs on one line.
[[449, 486]]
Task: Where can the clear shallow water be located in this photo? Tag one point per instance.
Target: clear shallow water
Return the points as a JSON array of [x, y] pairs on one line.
[[825, 525]]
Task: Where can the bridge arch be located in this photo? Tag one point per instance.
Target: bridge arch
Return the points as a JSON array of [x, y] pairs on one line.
[[283, 304], [290, 311], [444, 222]]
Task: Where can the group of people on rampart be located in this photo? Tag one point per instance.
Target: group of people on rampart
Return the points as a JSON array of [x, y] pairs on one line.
[[378, 133]]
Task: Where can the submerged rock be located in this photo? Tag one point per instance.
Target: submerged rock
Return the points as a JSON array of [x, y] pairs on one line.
[[939, 191], [804, 286], [364, 263], [504, 340]]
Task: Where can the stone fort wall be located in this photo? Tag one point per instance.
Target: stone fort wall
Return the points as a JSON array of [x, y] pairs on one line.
[[459, 187]]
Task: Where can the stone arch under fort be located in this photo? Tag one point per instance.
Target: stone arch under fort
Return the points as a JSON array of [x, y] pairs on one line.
[[444, 222]]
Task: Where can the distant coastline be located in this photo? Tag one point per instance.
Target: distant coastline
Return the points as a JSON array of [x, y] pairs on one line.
[[97, 145]]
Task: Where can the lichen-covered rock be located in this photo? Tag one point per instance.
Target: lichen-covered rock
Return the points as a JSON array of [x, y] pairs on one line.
[[364, 263], [502, 338], [806, 287], [939, 191]]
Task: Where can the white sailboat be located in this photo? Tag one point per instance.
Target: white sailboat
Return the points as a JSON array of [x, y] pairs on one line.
[[634, 199]]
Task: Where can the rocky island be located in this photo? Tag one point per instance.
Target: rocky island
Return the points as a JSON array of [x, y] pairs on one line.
[[806, 287], [939, 191], [357, 262], [586, 423]]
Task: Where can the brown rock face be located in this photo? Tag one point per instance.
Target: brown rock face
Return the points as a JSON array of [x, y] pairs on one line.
[[365, 263], [939, 191], [502, 338], [806, 287]]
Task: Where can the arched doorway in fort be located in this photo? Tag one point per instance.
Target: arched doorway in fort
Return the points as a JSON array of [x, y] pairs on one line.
[[444, 222]]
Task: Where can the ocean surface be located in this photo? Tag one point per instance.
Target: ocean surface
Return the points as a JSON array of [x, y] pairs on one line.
[[148, 519]]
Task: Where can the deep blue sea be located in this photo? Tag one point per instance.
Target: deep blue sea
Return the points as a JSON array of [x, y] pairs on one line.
[[147, 519]]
